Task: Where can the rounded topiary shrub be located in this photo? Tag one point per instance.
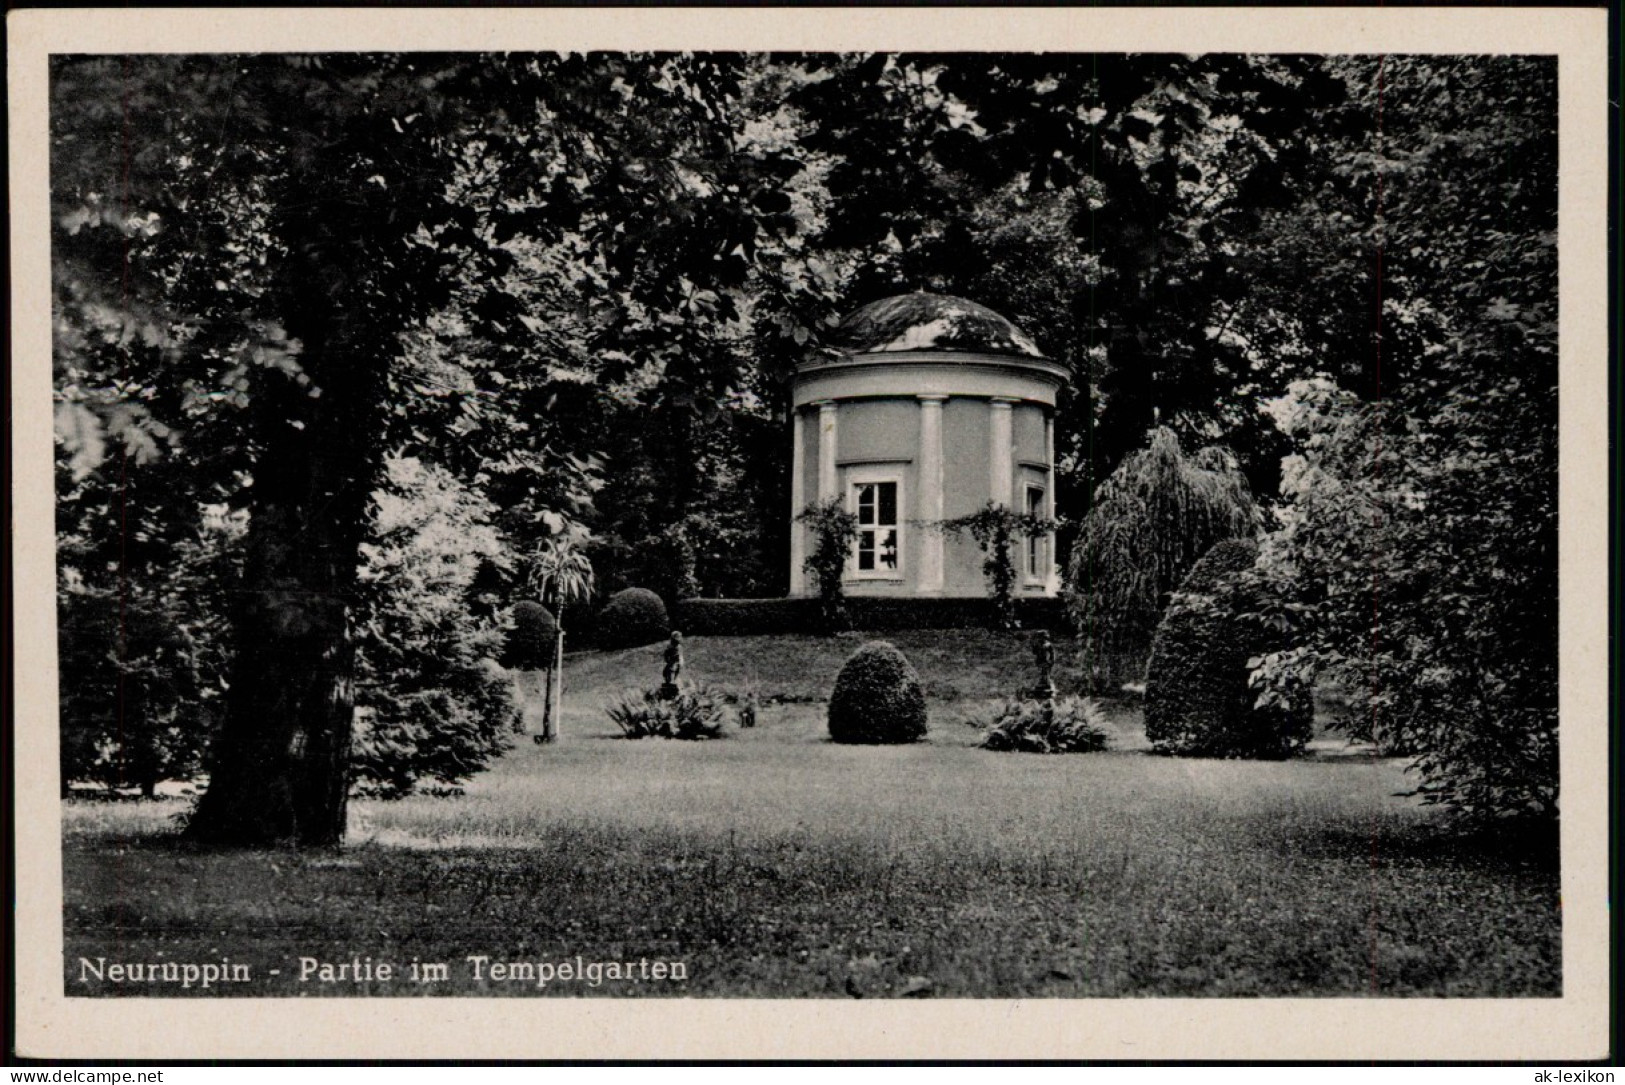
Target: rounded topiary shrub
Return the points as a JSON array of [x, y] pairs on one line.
[[632, 617], [877, 698], [1224, 562], [1197, 699], [530, 640]]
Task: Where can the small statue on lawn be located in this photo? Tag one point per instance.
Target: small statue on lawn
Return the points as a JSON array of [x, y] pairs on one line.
[[1044, 656], [674, 666]]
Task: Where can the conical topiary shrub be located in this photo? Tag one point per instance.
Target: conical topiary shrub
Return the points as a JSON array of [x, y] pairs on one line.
[[1197, 699], [877, 698]]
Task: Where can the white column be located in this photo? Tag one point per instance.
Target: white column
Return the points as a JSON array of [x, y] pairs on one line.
[[826, 450], [1052, 578], [798, 502], [929, 488], [1001, 467]]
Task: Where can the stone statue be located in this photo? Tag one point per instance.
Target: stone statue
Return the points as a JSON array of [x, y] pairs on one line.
[[674, 665], [1044, 656]]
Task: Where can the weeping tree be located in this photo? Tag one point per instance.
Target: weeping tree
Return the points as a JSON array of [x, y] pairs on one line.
[[1150, 522]]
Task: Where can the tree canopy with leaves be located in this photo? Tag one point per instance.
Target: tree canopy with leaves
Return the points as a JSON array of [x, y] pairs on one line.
[[398, 229], [1420, 499], [568, 289]]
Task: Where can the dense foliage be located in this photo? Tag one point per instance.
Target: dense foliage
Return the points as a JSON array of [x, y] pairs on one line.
[[1151, 520], [1198, 698], [1419, 530], [141, 639], [432, 704], [632, 617], [574, 285], [142, 716], [665, 563], [877, 698], [1064, 725]]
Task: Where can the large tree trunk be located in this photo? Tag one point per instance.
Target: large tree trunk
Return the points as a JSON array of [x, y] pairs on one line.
[[280, 770]]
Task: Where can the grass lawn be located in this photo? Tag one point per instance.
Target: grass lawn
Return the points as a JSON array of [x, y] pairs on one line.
[[774, 863]]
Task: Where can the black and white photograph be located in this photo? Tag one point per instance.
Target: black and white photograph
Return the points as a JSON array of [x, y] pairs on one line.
[[827, 527]]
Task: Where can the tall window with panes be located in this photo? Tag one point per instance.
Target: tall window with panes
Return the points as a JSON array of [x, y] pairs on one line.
[[1035, 543], [880, 541]]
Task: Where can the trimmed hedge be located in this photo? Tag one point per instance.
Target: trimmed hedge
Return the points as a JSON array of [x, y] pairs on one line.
[[1197, 699], [530, 641], [877, 698], [747, 617], [633, 617], [774, 617]]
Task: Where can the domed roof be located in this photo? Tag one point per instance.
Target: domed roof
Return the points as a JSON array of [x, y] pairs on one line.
[[930, 322]]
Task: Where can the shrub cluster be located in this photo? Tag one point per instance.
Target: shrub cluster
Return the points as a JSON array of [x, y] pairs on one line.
[[633, 617], [144, 643], [1066, 725], [877, 698], [1198, 700], [135, 706], [432, 739], [432, 705], [692, 714]]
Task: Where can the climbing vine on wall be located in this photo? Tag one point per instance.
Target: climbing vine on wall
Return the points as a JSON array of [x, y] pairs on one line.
[[994, 527]]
